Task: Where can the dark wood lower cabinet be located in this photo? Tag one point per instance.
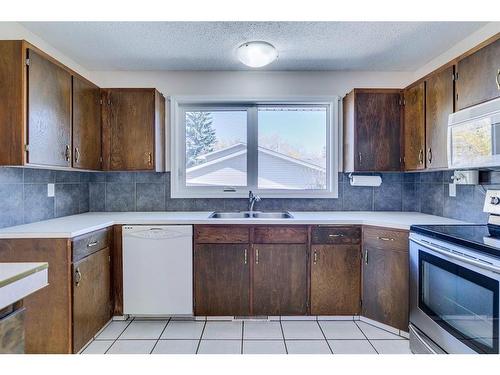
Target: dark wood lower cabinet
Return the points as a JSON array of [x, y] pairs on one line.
[[280, 279], [335, 280], [386, 281], [222, 279], [92, 302]]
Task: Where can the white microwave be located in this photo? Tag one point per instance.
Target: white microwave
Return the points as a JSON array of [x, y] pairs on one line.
[[474, 136]]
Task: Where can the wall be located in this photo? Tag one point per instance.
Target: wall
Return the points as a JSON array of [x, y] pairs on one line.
[[23, 194], [425, 192], [23, 197]]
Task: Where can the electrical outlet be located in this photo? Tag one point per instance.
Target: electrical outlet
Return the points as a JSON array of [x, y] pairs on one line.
[[51, 191]]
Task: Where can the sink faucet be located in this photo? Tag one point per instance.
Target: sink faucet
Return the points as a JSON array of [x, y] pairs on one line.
[[252, 198]]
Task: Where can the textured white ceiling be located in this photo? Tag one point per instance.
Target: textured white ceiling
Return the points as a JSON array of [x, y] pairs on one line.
[[382, 46]]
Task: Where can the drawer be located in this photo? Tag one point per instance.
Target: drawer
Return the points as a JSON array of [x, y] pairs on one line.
[[12, 332], [90, 243], [221, 234], [385, 239], [283, 235], [336, 235]]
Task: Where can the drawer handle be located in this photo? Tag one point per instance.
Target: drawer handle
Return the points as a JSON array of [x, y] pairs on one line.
[[256, 256], [335, 235], [92, 244], [315, 257], [385, 238], [78, 277]]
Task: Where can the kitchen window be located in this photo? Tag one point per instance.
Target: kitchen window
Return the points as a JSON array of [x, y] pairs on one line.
[[285, 149]]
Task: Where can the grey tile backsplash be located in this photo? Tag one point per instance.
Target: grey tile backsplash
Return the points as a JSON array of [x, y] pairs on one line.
[[23, 195]]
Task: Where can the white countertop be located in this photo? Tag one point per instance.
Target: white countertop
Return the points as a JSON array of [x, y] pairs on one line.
[[76, 225], [18, 280]]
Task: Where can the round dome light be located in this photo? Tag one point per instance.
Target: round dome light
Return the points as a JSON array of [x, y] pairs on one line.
[[257, 54]]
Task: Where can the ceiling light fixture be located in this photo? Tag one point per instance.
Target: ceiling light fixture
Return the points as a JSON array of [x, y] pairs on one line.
[[257, 54]]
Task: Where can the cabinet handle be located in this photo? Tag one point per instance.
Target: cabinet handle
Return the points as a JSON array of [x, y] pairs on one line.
[[366, 256], [150, 158], [92, 244], [421, 156], [246, 256], [359, 157], [335, 235], [315, 257], [78, 277], [256, 256], [68, 153], [77, 154], [385, 238], [498, 79], [429, 155]]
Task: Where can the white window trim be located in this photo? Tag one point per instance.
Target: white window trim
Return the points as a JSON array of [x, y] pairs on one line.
[[178, 144]]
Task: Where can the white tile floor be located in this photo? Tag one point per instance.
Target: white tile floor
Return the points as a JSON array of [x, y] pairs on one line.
[[285, 336]]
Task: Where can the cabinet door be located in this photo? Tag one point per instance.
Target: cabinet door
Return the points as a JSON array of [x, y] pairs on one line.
[[438, 106], [221, 279], [86, 125], [128, 127], [335, 280], [91, 296], [377, 132], [414, 125], [478, 76], [49, 113], [385, 287], [280, 280]]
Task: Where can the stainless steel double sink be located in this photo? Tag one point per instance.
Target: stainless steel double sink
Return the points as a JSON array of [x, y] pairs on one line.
[[250, 215]]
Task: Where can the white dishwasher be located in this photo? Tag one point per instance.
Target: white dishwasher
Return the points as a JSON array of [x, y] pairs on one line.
[[157, 270]]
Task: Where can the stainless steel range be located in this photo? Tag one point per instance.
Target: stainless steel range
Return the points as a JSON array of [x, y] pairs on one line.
[[454, 285]]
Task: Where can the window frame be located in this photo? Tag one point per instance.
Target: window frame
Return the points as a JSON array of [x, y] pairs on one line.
[[178, 106]]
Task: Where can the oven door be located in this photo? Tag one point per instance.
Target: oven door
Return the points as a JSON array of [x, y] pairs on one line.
[[454, 301]]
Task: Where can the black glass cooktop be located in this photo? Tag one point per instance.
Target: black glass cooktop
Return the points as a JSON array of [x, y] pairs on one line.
[[485, 238]]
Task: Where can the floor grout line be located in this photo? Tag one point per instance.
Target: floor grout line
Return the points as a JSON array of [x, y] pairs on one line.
[[161, 333], [283, 334], [242, 335], [115, 340], [323, 333], [376, 351], [201, 336]]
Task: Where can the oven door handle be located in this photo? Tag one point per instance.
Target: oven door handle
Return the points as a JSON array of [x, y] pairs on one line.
[[453, 255]]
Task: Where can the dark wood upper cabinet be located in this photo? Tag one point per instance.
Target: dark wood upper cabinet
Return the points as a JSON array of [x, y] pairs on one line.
[[414, 127], [133, 129], [438, 106], [222, 279], [372, 129], [335, 279], [280, 279], [12, 104], [92, 302], [385, 291], [478, 76], [86, 125], [49, 112]]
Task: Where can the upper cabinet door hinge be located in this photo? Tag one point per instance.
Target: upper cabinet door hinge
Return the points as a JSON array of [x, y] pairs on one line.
[[27, 62]]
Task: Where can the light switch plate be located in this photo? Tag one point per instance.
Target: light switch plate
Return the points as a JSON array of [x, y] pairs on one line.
[[51, 191]]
